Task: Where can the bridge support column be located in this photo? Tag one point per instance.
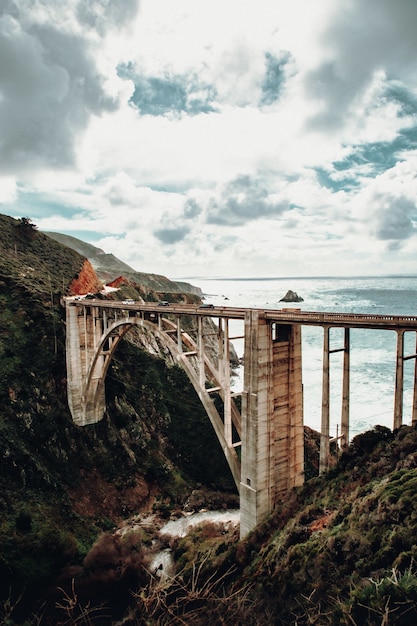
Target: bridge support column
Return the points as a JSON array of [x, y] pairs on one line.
[[325, 400], [399, 381], [272, 417], [414, 411], [325, 404], [344, 435]]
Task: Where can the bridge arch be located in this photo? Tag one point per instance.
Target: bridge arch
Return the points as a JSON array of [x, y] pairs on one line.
[[186, 353]]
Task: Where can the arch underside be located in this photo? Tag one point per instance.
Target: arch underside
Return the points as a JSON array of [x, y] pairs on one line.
[[191, 359]]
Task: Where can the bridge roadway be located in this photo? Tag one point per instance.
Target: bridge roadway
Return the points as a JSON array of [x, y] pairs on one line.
[[284, 315], [264, 440]]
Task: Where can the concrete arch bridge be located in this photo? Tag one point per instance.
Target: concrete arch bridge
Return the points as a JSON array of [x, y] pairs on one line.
[[264, 442]]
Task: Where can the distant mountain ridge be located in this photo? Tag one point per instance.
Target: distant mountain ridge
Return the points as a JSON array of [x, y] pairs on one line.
[[108, 267]]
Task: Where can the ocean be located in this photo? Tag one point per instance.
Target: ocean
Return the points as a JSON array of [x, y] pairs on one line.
[[373, 352]]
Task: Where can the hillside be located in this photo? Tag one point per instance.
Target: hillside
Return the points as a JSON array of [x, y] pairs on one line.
[[62, 485], [339, 551], [108, 267], [342, 549]]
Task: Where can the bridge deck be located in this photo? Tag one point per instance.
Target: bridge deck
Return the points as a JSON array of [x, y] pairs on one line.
[[310, 318]]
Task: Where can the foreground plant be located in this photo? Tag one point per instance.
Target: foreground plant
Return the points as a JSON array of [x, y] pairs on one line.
[[192, 599], [73, 613]]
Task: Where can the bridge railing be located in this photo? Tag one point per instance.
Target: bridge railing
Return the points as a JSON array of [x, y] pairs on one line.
[[315, 318]]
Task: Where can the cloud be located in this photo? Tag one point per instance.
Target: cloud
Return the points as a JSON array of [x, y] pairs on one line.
[[387, 208], [251, 79], [194, 136], [102, 15], [359, 42], [242, 200], [191, 209], [178, 223], [275, 77], [393, 217], [171, 235], [8, 189], [50, 86]]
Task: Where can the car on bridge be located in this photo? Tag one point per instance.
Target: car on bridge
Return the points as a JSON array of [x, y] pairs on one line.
[[206, 305], [163, 303], [128, 301]]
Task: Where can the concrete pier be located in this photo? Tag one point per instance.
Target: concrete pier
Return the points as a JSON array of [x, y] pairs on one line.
[[272, 417]]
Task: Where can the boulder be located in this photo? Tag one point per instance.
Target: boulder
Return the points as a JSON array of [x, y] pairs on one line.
[[292, 296]]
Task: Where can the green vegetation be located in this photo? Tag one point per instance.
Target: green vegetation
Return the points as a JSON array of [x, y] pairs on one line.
[[342, 549], [62, 485], [339, 551], [31, 261], [160, 402]]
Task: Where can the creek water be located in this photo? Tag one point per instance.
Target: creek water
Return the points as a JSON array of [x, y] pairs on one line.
[[162, 564]]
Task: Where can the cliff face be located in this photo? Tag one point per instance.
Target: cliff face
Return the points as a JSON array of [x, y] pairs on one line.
[[86, 281]]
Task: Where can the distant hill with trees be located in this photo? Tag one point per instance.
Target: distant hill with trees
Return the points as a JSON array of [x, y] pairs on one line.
[[108, 267]]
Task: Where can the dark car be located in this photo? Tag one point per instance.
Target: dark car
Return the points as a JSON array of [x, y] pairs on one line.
[[206, 306]]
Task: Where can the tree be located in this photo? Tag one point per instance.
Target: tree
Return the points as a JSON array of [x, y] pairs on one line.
[[26, 228]]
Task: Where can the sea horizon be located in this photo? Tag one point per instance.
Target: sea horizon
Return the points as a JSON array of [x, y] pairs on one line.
[[267, 278]]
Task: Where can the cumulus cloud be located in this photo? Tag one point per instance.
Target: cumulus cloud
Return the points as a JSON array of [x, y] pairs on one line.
[[179, 223], [386, 207], [191, 209], [357, 44], [171, 235], [242, 200], [185, 134], [393, 217], [102, 15], [50, 84], [275, 76]]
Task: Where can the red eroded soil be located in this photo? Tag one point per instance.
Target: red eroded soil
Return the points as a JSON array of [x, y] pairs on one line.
[[86, 281]]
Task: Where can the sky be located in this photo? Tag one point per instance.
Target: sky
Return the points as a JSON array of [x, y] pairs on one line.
[[247, 138]]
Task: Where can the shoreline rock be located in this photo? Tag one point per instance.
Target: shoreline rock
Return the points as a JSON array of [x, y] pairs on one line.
[[292, 296]]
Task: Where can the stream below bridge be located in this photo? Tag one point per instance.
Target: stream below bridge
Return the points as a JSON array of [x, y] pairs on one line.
[[160, 562]]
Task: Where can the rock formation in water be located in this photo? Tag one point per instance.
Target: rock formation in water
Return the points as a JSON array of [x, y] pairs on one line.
[[292, 296]]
